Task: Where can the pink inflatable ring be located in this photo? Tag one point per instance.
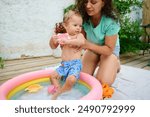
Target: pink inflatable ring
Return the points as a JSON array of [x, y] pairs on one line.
[[95, 92]]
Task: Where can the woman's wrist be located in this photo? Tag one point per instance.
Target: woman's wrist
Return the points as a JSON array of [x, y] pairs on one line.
[[87, 45]]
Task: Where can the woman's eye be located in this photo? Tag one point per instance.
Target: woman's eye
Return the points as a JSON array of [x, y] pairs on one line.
[[93, 2]]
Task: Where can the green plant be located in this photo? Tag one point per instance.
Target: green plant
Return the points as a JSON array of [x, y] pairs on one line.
[[69, 8], [130, 31], [1, 63], [148, 63], [123, 6], [129, 35]]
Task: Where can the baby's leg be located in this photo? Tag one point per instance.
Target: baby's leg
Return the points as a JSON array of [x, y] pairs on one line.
[[55, 77], [70, 81]]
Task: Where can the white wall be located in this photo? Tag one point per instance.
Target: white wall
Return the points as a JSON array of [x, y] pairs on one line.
[[136, 13], [26, 26]]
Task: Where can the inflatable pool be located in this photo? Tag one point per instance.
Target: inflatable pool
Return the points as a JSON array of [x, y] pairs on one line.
[[14, 85]]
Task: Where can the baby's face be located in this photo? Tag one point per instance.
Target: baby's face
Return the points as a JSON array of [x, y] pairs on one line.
[[74, 25]]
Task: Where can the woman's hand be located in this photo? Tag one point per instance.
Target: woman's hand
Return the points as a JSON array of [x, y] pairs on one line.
[[86, 45]]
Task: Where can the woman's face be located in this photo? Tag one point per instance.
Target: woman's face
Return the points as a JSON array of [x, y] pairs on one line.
[[93, 7]]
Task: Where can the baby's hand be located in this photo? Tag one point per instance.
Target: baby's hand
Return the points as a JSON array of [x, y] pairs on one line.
[[62, 38], [55, 39]]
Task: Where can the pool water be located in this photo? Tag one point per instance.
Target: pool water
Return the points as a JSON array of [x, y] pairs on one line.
[[76, 93]]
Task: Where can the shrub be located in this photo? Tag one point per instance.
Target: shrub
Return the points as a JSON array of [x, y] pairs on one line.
[[129, 35], [130, 31], [1, 63]]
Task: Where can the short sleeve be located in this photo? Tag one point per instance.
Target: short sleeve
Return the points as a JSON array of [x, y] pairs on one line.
[[113, 28]]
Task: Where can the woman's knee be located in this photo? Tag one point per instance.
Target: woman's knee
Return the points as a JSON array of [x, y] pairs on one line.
[[89, 61], [108, 69], [105, 80], [109, 63]]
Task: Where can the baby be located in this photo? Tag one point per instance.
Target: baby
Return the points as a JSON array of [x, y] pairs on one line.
[[68, 35]]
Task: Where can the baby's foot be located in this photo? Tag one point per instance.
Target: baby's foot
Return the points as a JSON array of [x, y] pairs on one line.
[[54, 97], [52, 89]]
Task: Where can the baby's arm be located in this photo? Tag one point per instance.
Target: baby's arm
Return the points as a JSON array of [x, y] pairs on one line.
[[54, 42]]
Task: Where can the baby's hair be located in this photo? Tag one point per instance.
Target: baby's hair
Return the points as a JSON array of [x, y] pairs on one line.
[[59, 28], [70, 13]]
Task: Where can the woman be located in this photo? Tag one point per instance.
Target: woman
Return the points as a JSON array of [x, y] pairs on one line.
[[102, 45]]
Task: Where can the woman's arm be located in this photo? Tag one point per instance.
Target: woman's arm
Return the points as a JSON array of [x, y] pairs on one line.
[[84, 34], [106, 49], [79, 40]]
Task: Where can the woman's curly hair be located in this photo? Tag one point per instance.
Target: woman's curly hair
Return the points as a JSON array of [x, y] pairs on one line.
[[108, 9]]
